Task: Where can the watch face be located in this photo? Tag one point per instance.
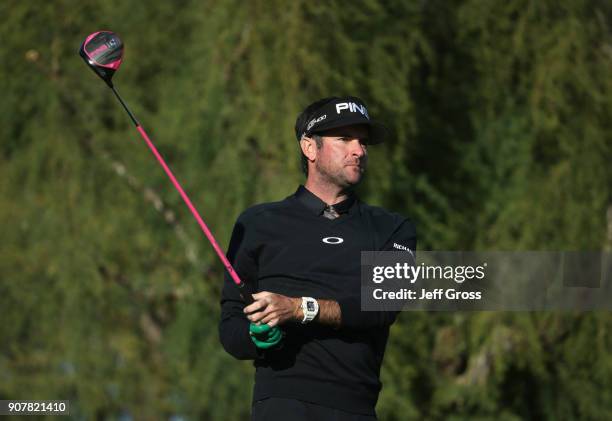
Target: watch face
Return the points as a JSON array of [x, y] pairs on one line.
[[310, 306]]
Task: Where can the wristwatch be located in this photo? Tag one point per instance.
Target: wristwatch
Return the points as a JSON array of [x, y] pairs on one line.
[[310, 308]]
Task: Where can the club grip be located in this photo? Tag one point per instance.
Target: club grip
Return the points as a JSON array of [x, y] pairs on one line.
[[245, 293]]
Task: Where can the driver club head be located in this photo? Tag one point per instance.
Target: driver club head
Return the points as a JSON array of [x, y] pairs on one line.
[[103, 52]]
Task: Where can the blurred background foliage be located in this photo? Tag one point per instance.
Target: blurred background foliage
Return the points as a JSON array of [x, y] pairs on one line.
[[109, 294]]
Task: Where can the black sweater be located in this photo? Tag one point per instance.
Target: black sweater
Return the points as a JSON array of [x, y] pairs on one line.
[[279, 247]]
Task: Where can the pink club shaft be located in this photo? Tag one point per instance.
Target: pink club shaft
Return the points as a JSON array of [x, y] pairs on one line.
[[102, 51], [194, 211]]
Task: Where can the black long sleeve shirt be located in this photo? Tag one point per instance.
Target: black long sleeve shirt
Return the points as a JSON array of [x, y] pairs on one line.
[[287, 247]]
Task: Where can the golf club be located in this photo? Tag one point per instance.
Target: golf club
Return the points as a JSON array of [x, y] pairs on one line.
[[103, 52]]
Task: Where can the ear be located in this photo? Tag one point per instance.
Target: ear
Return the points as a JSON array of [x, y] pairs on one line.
[[309, 148]]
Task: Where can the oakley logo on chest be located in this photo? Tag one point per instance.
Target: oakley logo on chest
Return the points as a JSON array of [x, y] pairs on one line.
[[333, 240]]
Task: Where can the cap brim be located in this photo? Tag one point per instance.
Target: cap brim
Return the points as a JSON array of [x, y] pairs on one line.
[[378, 131]]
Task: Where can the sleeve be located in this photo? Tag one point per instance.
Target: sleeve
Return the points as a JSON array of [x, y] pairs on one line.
[[234, 326], [350, 306]]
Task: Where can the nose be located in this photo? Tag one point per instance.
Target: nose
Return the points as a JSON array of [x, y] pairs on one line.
[[358, 149]]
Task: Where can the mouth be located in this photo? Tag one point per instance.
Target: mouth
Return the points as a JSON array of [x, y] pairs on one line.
[[359, 167]]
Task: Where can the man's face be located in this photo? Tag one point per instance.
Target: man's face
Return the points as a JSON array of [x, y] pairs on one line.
[[343, 156]]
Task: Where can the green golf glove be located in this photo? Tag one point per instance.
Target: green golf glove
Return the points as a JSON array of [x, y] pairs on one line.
[[264, 336]]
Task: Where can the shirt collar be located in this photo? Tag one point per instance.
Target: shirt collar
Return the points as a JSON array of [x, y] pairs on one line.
[[316, 205]]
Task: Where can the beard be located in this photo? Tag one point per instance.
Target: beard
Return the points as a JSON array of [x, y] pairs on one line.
[[340, 176]]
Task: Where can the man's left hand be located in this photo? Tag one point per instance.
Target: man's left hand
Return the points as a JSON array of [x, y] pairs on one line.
[[273, 309]]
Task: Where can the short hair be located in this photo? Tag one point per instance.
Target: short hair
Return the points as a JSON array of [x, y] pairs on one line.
[[302, 121], [319, 141]]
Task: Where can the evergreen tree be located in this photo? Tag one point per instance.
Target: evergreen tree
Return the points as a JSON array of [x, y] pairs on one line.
[[108, 292]]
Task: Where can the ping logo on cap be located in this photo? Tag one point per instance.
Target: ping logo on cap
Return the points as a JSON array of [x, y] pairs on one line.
[[352, 107]]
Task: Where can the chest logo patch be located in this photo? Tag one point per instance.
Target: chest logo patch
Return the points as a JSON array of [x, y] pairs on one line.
[[333, 240]]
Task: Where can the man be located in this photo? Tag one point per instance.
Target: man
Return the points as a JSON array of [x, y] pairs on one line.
[[303, 256]]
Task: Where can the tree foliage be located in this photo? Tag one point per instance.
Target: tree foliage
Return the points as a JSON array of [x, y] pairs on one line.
[[500, 112]]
